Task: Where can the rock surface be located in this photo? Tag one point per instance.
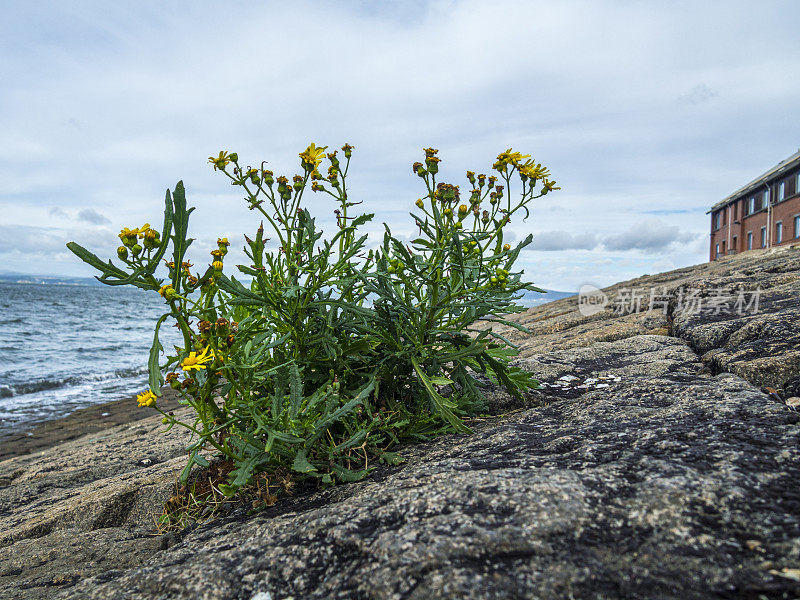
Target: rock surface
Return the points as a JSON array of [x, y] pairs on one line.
[[650, 465]]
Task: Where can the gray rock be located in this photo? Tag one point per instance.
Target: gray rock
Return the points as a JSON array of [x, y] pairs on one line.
[[650, 488], [649, 465]]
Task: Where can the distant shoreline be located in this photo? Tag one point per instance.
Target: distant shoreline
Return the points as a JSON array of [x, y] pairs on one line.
[[22, 279]]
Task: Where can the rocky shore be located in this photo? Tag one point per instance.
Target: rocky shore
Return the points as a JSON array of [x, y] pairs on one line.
[[659, 459]]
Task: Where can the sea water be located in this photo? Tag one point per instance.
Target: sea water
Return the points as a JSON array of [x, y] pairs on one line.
[[63, 347]]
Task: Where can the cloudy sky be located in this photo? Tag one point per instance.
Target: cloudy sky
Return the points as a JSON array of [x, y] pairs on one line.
[[646, 113]]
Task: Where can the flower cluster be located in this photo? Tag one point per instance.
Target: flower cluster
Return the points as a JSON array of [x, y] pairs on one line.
[[329, 354]]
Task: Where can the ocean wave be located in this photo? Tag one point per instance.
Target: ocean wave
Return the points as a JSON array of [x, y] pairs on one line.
[[41, 385], [112, 348]]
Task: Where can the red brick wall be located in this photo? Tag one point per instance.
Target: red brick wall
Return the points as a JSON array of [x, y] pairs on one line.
[[784, 211]]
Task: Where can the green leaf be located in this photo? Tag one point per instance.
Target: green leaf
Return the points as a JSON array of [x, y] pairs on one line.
[[392, 458], [347, 475], [301, 464], [180, 243], [166, 229], [156, 379], [93, 260], [441, 404], [295, 390]]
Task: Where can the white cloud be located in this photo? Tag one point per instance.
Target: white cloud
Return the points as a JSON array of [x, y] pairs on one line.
[[145, 93]]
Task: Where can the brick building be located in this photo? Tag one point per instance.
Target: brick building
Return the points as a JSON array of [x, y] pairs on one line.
[[762, 214]]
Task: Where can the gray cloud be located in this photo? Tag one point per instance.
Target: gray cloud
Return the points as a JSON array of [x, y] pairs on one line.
[[58, 212], [698, 94], [650, 235], [552, 241], [92, 216]]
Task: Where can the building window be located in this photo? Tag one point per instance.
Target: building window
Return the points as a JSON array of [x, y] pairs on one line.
[[735, 244], [797, 226], [716, 221], [797, 184], [778, 232], [716, 252], [765, 200], [749, 240], [751, 205], [781, 190], [763, 237]]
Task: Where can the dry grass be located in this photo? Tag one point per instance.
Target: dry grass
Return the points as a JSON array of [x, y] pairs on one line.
[[201, 500]]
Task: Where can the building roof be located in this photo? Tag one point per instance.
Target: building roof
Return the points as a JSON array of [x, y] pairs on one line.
[[775, 171]]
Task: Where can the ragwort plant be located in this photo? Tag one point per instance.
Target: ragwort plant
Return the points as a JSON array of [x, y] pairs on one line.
[[323, 355]]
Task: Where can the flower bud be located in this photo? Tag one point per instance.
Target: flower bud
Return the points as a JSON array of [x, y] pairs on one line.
[[420, 203], [137, 249], [217, 266], [233, 156], [151, 239], [122, 252], [462, 210], [506, 247]]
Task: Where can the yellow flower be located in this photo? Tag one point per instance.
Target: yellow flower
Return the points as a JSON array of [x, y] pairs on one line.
[[533, 170], [312, 157], [128, 236], [146, 398], [221, 161], [549, 186], [197, 361], [509, 157]]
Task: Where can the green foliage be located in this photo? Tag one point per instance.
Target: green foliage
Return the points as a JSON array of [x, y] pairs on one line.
[[322, 355]]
